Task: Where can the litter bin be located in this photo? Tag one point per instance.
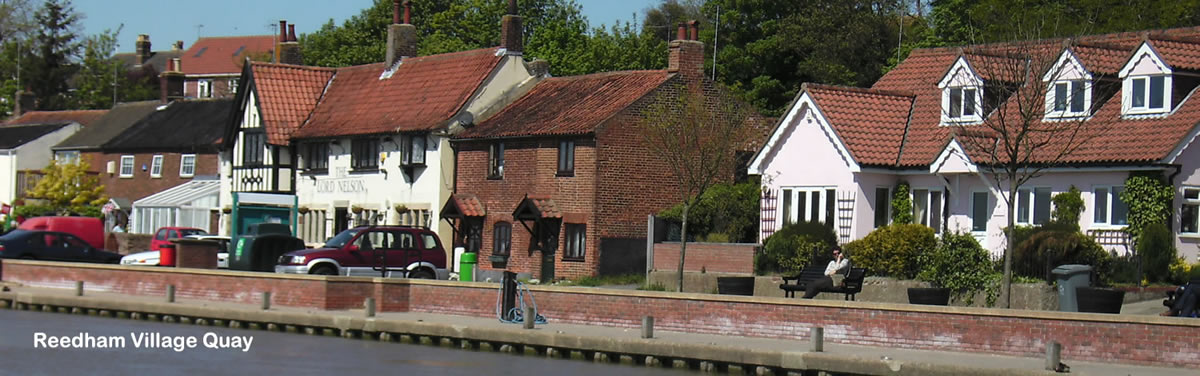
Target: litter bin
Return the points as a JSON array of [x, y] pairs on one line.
[[1069, 277], [261, 252], [466, 267], [166, 255]]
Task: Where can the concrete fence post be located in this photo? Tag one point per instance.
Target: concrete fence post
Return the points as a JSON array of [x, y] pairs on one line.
[[78, 288], [266, 300], [816, 339], [647, 326], [530, 317], [1053, 355], [369, 304], [170, 293]]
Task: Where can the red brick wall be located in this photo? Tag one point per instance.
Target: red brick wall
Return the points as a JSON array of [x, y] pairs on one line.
[[141, 184], [711, 257], [1147, 340]]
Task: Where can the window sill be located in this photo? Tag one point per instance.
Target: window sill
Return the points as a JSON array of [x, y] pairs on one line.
[[315, 171], [1105, 227], [1189, 235], [500, 177], [572, 259], [565, 174], [362, 170], [126, 177]]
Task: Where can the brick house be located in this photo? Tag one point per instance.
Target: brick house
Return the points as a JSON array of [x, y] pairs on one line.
[[565, 161], [1131, 93], [212, 65], [28, 142]]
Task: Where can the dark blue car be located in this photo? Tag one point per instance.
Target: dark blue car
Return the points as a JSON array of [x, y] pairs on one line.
[[52, 245]]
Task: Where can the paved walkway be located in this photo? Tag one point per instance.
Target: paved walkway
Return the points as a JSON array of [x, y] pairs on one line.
[[992, 364]]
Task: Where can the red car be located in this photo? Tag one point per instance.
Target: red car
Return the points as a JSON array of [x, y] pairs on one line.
[[162, 239], [371, 251]]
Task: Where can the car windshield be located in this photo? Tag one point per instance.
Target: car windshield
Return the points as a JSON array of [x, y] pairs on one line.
[[189, 232], [341, 239], [14, 234]]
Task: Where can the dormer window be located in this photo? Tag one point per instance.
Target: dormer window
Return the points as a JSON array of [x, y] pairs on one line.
[[1146, 83], [962, 93], [1069, 88]]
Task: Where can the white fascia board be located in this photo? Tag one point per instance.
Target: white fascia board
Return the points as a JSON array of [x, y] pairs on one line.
[[954, 78], [953, 151], [1068, 67], [801, 108], [1143, 50]]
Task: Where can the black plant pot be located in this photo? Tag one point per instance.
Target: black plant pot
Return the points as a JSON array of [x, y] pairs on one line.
[[1098, 300], [929, 295], [735, 285]]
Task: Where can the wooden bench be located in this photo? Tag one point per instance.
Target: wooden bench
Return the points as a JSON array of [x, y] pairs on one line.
[[851, 285]]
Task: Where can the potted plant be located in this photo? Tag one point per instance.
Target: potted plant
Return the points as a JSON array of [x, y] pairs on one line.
[[400, 208], [303, 210], [356, 209], [226, 210], [1099, 300]]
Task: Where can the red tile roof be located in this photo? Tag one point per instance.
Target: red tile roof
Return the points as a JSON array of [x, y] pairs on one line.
[[422, 94], [83, 117], [287, 94], [466, 205], [870, 122], [1102, 59], [223, 55], [569, 105], [537, 207]]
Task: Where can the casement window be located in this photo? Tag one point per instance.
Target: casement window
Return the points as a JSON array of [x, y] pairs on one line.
[[979, 211], [1147, 93], [316, 156], [187, 165], [809, 204], [364, 154], [233, 85], [156, 165], [496, 161], [204, 88], [566, 158], [1033, 204], [501, 238], [883, 205], [1069, 98], [254, 147], [414, 150], [927, 208], [1189, 213], [963, 103], [575, 242], [1107, 207], [127, 166]]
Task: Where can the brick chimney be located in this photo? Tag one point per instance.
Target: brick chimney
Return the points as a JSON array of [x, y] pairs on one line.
[[510, 30], [142, 46], [686, 55], [288, 48], [178, 46], [25, 102], [171, 81], [402, 37]]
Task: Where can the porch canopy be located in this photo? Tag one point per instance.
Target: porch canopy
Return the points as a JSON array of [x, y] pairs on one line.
[[186, 205]]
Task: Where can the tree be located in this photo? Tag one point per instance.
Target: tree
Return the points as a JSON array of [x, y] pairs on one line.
[[67, 188], [53, 63], [98, 72], [1011, 144], [16, 24], [959, 22], [695, 133], [662, 20]]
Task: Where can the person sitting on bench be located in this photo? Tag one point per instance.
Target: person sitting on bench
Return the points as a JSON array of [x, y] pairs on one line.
[[838, 265], [1185, 301]]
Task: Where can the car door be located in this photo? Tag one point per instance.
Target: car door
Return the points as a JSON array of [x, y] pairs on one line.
[[76, 249], [38, 246], [53, 247], [360, 260], [405, 252]]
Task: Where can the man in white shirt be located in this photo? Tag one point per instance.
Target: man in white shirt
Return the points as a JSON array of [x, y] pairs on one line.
[[836, 266]]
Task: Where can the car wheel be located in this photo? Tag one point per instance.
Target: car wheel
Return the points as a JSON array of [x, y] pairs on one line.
[[324, 270], [422, 274]]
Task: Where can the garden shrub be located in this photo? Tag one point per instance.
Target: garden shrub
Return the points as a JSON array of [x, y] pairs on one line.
[[791, 248], [1048, 247], [1157, 248], [1067, 207], [902, 206], [958, 263], [892, 250], [729, 209], [1180, 272]]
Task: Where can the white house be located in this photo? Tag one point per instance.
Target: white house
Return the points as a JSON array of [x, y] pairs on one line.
[[838, 152], [24, 152]]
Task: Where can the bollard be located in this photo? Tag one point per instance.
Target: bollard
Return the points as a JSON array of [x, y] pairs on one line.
[[647, 326], [816, 339], [530, 319], [266, 300], [170, 293], [78, 288], [1053, 355], [370, 307]]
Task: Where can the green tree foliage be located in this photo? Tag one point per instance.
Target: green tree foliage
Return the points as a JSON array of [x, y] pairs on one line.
[[960, 22], [1149, 201], [958, 263], [69, 189], [56, 48], [99, 72], [731, 210], [794, 247], [16, 24], [893, 250], [1157, 247], [902, 206], [623, 47], [1067, 207], [663, 20]]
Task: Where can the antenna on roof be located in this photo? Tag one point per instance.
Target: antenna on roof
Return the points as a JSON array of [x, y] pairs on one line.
[[198, 28]]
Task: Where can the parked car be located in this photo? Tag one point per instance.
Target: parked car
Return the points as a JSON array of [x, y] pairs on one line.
[[90, 229], [368, 250], [52, 245], [151, 258], [162, 240]]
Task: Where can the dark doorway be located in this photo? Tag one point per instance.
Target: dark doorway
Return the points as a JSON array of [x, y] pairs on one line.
[[341, 219]]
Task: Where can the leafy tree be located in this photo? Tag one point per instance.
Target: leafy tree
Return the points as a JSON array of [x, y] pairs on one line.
[[662, 20], [98, 73], [16, 24], [67, 188], [958, 263], [52, 65], [731, 210], [959, 22], [623, 47]]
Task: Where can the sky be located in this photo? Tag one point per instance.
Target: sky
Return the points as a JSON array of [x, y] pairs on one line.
[[167, 21]]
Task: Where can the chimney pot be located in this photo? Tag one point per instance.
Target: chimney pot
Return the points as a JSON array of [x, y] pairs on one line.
[[407, 12], [292, 33], [143, 49], [694, 28], [682, 33], [283, 31], [512, 7], [178, 45], [395, 11]]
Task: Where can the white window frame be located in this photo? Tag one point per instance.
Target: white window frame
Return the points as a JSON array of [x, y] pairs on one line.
[[233, 85], [1192, 202], [1128, 85], [1110, 200], [204, 88], [886, 206], [156, 164], [187, 169], [794, 212], [977, 107], [127, 166], [1052, 99], [1031, 212], [927, 217]]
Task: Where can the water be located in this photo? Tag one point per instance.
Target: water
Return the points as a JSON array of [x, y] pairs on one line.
[[295, 354]]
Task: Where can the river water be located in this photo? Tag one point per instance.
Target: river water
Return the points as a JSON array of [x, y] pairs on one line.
[[32, 343]]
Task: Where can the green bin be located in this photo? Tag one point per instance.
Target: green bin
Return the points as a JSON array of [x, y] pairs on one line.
[[466, 266]]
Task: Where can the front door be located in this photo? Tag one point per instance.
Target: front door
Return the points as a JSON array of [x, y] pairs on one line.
[[474, 236], [341, 220], [548, 245]]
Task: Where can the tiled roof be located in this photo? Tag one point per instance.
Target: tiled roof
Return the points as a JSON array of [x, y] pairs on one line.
[[110, 125], [158, 59], [223, 55], [422, 94], [1102, 59], [186, 125], [919, 75], [287, 94], [83, 117], [537, 207], [17, 135], [569, 105], [870, 122], [1178, 54], [464, 205]]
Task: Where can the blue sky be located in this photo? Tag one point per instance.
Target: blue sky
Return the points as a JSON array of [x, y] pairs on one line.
[[167, 21]]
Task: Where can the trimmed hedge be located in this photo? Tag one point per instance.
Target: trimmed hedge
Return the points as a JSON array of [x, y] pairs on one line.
[[893, 250], [1047, 247], [791, 248], [958, 263]]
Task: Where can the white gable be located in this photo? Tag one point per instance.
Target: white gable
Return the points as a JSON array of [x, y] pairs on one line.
[[953, 159], [961, 74], [797, 130], [1146, 61], [1068, 67]]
